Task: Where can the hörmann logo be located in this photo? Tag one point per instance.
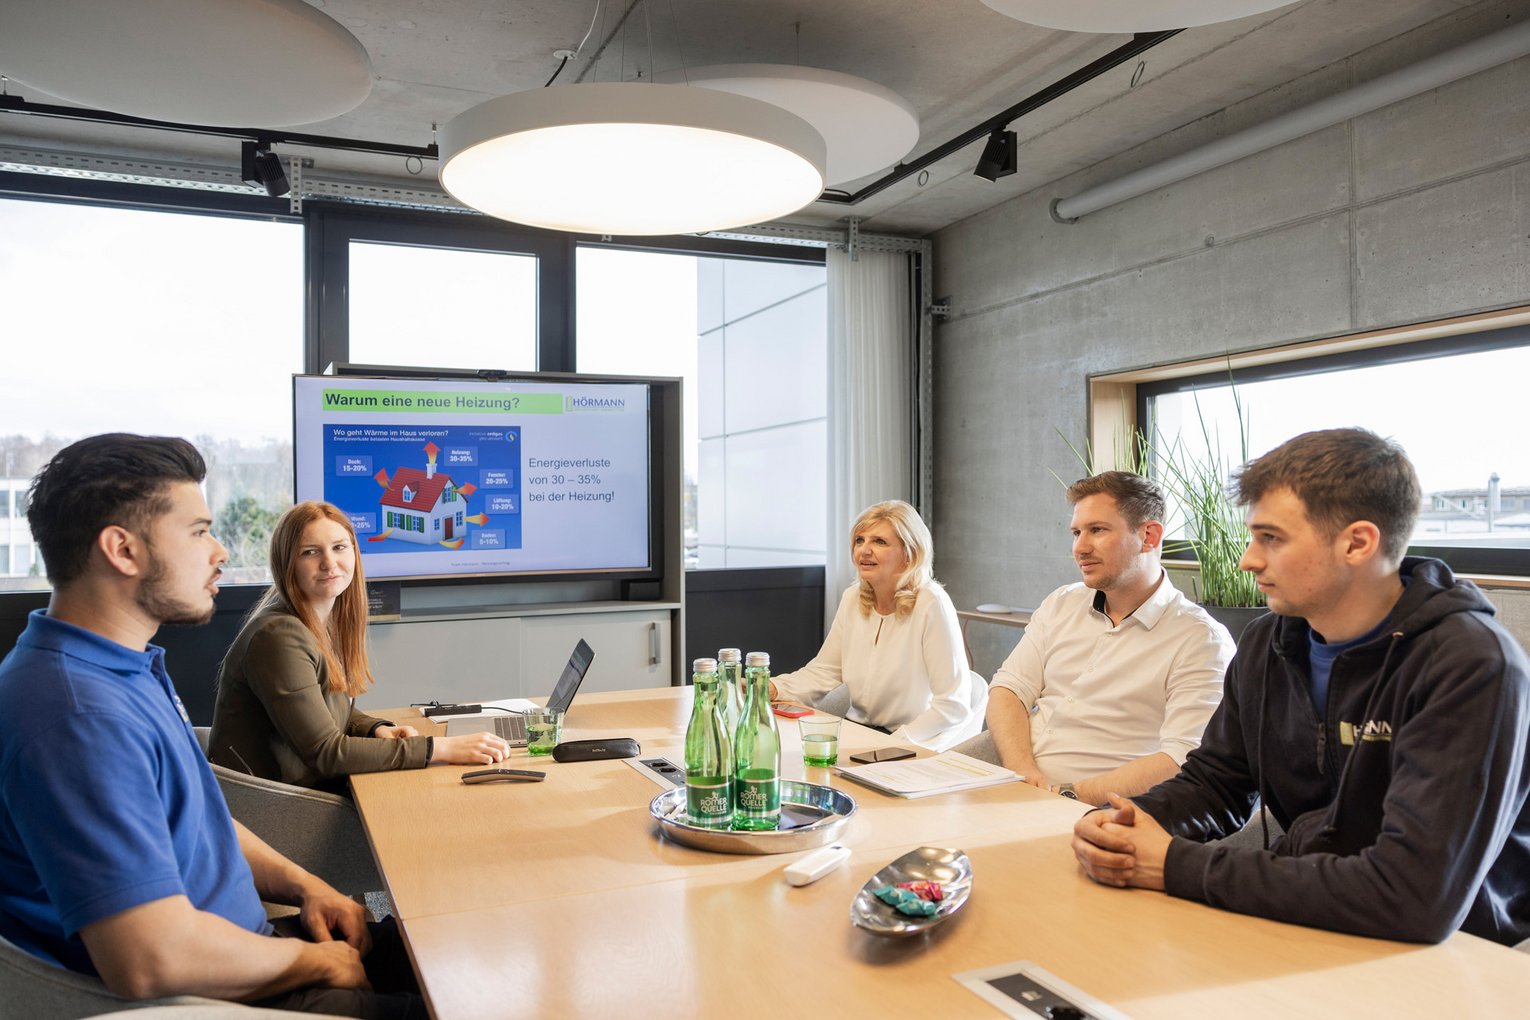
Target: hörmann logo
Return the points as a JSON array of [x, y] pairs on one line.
[[1351, 734], [571, 403]]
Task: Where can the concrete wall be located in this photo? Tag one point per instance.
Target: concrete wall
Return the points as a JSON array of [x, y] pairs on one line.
[[1418, 211]]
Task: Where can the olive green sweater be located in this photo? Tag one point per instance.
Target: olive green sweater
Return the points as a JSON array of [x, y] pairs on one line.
[[276, 717]]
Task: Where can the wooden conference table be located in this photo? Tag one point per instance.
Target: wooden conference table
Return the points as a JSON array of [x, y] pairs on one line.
[[560, 899]]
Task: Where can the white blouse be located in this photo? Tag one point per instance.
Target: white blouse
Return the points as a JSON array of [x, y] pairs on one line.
[[909, 676]]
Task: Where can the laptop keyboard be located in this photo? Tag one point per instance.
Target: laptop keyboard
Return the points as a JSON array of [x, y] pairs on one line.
[[511, 727]]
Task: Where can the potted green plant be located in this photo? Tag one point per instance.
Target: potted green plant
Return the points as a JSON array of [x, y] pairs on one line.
[[1195, 476]]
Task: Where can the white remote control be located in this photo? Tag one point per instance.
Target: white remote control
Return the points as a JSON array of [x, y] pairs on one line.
[[816, 865]]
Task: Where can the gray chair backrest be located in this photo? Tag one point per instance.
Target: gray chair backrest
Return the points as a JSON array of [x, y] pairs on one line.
[[320, 831], [37, 990], [215, 1011]]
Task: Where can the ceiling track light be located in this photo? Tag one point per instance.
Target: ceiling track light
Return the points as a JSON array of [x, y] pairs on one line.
[[259, 166], [1000, 155]]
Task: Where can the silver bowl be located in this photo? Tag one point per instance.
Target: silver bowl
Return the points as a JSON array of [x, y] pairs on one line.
[[950, 868], [811, 815]]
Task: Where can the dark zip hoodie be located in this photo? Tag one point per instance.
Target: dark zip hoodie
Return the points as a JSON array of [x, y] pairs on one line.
[[1404, 805]]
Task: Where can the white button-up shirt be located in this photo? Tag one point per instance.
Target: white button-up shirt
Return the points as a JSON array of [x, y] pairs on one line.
[[908, 675], [1101, 695]]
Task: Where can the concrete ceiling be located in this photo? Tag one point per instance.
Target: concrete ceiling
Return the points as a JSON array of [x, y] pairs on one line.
[[957, 61]]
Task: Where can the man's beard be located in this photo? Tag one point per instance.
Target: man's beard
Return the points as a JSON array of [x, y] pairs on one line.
[[155, 598]]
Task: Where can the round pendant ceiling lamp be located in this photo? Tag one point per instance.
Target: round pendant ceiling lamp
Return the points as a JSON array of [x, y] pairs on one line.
[[234, 63], [631, 158], [866, 127], [1129, 15]]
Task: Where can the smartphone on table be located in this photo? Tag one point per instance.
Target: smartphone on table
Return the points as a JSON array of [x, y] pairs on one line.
[[789, 711], [881, 754]]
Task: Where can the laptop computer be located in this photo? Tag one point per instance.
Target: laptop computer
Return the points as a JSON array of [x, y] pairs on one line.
[[512, 725]]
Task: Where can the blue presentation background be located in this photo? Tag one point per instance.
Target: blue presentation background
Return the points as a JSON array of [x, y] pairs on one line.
[[359, 495]]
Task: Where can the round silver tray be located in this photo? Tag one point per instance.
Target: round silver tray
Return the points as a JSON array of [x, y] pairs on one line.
[[813, 815]]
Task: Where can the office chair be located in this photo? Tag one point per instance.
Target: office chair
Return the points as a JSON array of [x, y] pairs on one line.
[[320, 831], [214, 1011], [37, 990], [835, 702]]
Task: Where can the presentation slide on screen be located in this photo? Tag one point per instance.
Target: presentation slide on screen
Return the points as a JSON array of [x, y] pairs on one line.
[[448, 477]]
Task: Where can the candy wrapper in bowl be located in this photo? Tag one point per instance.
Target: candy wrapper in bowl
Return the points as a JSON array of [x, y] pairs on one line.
[[914, 893]]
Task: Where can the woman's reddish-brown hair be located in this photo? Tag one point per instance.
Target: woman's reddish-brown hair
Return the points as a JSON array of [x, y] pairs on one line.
[[344, 641]]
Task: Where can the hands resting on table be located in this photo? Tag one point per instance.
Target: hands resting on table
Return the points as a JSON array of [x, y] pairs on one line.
[[1121, 845]]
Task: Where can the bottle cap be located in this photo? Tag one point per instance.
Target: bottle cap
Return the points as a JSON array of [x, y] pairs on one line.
[[704, 666], [729, 655], [757, 659]]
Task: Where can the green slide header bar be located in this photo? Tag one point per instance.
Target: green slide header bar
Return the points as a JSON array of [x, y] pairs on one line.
[[415, 402]]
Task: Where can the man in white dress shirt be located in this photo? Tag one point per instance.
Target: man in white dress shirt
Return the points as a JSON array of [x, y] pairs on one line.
[[1116, 675]]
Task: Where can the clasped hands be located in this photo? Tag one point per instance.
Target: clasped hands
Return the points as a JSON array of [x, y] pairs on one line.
[[1121, 845]]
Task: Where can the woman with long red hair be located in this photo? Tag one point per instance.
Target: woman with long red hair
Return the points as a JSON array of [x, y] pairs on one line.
[[286, 707]]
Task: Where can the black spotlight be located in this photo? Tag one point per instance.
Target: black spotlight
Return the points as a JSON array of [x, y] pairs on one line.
[[998, 159], [259, 165]]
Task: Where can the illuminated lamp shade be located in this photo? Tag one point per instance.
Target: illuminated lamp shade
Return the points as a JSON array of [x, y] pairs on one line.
[[1130, 15], [866, 127], [631, 158], [236, 63]]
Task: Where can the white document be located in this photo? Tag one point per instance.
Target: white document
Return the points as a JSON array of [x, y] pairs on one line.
[[946, 772]]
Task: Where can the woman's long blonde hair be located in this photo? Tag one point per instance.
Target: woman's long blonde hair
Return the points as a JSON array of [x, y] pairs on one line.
[[917, 546], [344, 641]]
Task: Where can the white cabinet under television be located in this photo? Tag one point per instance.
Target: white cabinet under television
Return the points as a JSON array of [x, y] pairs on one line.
[[480, 658], [632, 649]]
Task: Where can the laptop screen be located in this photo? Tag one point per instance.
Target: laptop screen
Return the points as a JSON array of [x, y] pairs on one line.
[[573, 675]]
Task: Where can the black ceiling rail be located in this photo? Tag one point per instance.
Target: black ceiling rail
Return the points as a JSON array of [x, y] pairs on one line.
[[16, 104], [1140, 43]]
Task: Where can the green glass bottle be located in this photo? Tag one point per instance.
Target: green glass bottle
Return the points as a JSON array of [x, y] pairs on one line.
[[730, 674], [757, 753], [708, 754]]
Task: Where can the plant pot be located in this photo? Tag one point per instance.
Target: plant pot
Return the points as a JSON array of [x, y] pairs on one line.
[[1235, 618]]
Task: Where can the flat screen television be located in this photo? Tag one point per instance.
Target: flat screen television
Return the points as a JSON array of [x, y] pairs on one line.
[[447, 478]]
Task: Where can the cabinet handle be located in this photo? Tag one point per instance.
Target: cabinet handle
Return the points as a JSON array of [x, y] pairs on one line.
[[655, 655]]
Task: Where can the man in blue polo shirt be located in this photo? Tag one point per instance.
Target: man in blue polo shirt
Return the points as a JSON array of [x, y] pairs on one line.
[[118, 856]]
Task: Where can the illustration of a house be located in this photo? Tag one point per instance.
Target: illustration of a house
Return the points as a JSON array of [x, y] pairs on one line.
[[422, 506]]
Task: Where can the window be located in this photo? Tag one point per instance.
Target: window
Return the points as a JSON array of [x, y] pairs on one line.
[[749, 337], [156, 322], [1452, 403], [436, 290], [442, 308]]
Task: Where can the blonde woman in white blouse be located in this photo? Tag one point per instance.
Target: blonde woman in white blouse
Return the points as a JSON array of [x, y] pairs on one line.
[[895, 642]]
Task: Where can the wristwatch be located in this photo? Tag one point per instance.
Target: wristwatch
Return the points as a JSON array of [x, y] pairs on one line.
[[1066, 790]]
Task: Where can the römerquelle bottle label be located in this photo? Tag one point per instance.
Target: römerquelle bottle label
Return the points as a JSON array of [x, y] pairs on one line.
[[759, 799], [707, 803]]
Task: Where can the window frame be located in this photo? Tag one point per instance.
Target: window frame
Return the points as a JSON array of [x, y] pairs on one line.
[[1118, 401], [330, 227]]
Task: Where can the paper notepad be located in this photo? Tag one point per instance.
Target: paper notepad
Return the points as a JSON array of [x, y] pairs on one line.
[[946, 772]]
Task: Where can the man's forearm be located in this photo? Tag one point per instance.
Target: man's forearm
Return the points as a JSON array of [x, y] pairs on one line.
[[1009, 723], [167, 947], [1137, 776]]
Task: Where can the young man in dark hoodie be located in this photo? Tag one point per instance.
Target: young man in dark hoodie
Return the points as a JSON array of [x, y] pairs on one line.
[[1379, 712]]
